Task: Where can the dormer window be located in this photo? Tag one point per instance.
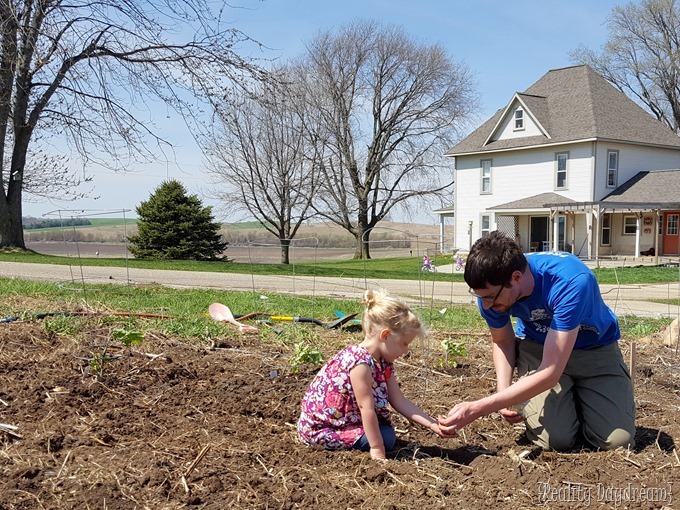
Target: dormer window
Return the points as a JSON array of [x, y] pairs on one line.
[[519, 119]]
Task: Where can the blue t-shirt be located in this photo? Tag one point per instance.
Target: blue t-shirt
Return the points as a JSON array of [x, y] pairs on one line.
[[566, 295]]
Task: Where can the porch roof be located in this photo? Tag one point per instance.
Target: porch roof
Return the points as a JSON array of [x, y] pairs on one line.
[[535, 203], [445, 211]]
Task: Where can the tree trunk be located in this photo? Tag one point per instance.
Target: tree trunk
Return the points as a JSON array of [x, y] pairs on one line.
[[285, 251], [11, 227], [363, 249]]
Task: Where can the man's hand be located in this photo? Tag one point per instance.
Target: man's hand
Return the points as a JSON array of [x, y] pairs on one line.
[[511, 415], [458, 417], [434, 426]]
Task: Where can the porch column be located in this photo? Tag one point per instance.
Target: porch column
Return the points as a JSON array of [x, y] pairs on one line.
[[596, 232], [572, 216], [638, 230], [657, 215], [589, 232], [556, 231], [441, 233]]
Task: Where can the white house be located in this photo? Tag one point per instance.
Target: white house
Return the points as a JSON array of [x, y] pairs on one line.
[[570, 164]]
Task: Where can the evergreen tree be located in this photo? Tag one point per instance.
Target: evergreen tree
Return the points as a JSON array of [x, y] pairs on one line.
[[174, 225]]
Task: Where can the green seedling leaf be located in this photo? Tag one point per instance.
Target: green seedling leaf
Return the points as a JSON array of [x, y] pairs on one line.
[[304, 353], [127, 337], [453, 350]]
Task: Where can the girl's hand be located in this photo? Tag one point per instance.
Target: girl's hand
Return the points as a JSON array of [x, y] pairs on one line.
[[434, 427], [378, 453]]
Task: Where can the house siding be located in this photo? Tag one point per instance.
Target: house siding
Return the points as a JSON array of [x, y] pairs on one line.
[[632, 159], [515, 175]]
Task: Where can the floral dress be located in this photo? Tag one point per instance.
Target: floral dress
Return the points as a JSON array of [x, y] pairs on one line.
[[330, 416]]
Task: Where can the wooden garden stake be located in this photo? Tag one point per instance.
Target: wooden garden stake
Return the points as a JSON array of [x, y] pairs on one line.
[[633, 362]]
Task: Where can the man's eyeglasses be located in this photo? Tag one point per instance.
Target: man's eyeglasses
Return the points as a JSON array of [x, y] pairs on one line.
[[487, 299]]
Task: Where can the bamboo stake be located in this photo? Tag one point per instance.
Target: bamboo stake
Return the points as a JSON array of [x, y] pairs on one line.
[[633, 362]]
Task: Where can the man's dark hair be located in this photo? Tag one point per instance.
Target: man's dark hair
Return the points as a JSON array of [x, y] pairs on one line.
[[492, 260]]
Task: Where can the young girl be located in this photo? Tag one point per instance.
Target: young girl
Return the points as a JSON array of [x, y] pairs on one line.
[[345, 406]]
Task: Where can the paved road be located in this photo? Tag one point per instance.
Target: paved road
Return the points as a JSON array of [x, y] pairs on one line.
[[624, 300]]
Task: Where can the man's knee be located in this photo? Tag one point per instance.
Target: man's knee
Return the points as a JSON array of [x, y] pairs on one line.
[[615, 439], [556, 442], [552, 440]]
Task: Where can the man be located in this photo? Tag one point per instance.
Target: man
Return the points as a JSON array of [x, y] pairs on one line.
[[573, 380]]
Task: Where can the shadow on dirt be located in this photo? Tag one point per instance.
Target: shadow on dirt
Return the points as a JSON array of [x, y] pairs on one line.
[[646, 437], [464, 455]]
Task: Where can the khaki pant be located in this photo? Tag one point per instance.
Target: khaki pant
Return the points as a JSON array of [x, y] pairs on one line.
[[594, 396]]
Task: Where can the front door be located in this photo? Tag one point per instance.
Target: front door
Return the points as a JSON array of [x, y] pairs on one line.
[[539, 231], [670, 233]]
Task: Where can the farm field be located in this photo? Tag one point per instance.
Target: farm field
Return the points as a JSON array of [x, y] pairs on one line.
[[210, 425], [256, 254], [247, 243]]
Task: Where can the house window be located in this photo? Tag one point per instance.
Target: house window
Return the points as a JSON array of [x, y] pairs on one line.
[[561, 170], [519, 119], [612, 168], [486, 176], [606, 229], [629, 225], [486, 222], [672, 224]]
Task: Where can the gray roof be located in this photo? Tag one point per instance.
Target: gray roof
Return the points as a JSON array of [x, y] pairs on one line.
[[653, 187], [575, 103], [534, 202]]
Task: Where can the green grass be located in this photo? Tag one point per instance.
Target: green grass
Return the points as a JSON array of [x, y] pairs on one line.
[[633, 327], [94, 223], [637, 274], [112, 222], [403, 268], [185, 312], [670, 301], [187, 309]]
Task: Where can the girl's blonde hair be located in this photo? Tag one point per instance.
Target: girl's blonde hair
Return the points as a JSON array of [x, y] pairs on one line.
[[384, 311]]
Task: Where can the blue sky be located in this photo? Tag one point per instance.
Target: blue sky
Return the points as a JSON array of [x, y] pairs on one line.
[[508, 45]]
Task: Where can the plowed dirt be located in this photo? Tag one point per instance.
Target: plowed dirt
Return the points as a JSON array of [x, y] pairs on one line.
[[211, 426]]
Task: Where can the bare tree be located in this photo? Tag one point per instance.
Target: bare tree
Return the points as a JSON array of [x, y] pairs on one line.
[[640, 57], [85, 70], [263, 153], [388, 109]]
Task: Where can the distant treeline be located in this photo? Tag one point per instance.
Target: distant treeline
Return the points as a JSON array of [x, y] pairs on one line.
[[316, 239], [65, 222]]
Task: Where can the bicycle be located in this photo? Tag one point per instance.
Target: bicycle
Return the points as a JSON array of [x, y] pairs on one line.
[[460, 264], [428, 266]]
